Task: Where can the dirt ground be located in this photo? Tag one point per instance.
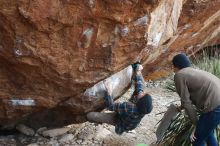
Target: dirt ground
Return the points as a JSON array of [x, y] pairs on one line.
[[90, 134]]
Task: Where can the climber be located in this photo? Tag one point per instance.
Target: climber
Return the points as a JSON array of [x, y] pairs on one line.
[[126, 115], [202, 89]]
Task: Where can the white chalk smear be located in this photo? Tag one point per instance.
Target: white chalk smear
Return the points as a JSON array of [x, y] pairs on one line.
[[18, 52], [141, 21], [24, 102]]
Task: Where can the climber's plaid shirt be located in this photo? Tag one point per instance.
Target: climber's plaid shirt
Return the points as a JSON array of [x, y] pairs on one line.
[[128, 116]]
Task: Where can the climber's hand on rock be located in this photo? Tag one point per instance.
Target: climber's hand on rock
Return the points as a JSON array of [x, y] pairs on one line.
[[137, 67]]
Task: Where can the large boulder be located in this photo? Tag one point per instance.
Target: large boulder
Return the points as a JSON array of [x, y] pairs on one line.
[[54, 54]]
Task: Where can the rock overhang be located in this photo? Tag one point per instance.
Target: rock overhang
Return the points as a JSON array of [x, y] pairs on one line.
[[53, 51]]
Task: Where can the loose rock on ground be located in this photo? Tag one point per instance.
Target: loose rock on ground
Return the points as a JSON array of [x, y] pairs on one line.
[[90, 134]]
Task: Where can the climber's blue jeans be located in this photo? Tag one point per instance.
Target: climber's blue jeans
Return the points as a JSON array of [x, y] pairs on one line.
[[205, 128]]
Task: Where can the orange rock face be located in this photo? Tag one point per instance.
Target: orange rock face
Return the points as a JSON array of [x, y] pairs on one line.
[[52, 51]]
